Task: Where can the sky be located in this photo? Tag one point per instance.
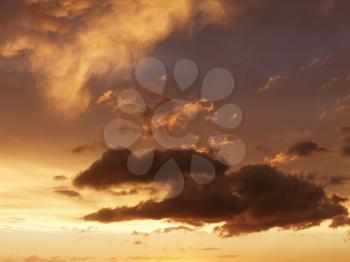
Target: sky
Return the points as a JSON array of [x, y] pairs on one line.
[[185, 130]]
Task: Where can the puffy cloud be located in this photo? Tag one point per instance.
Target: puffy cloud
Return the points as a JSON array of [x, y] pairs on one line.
[[252, 199], [67, 41]]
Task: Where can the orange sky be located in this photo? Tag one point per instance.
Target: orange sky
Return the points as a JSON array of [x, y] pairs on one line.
[[280, 150]]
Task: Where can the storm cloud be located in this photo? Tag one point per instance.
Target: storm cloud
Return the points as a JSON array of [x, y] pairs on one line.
[[253, 199]]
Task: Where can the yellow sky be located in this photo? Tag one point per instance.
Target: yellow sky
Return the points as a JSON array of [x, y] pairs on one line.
[[36, 221]]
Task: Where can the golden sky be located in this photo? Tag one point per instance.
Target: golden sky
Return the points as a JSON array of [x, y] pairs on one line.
[[185, 130]]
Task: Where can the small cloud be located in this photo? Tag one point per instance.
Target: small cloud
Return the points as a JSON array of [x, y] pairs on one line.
[[209, 249], [342, 109], [315, 63], [322, 114], [280, 158], [337, 180], [305, 148], [177, 228], [329, 84], [60, 178], [106, 96], [68, 192], [125, 192], [83, 148], [136, 233], [296, 151], [344, 141], [137, 242], [262, 149], [271, 81]]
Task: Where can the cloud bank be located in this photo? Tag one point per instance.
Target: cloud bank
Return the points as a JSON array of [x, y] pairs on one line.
[[252, 199]]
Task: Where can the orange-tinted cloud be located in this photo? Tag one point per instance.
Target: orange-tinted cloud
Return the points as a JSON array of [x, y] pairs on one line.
[[67, 42]]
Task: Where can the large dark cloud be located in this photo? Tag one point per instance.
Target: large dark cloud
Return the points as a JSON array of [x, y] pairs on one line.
[[252, 199]]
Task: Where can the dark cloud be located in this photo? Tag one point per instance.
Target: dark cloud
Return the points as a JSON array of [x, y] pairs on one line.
[[337, 180], [68, 192], [111, 170], [83, 148], [253, 199], [59, 178], [344, 141], [305, 148], [297, 150]]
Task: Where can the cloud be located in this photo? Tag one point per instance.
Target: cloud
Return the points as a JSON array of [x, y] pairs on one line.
[[209, 249], [136, 233], [83, 148], [271, 82], [261, 149], [112, 170], [59, 178], [344, 141], [137, 242], [67, 192], [105, 96], [296, 151], [68, 42], [337, 180], [305, 148], [280, 158], [342, 109], [252, 199], [174, 229], [35, 258]]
